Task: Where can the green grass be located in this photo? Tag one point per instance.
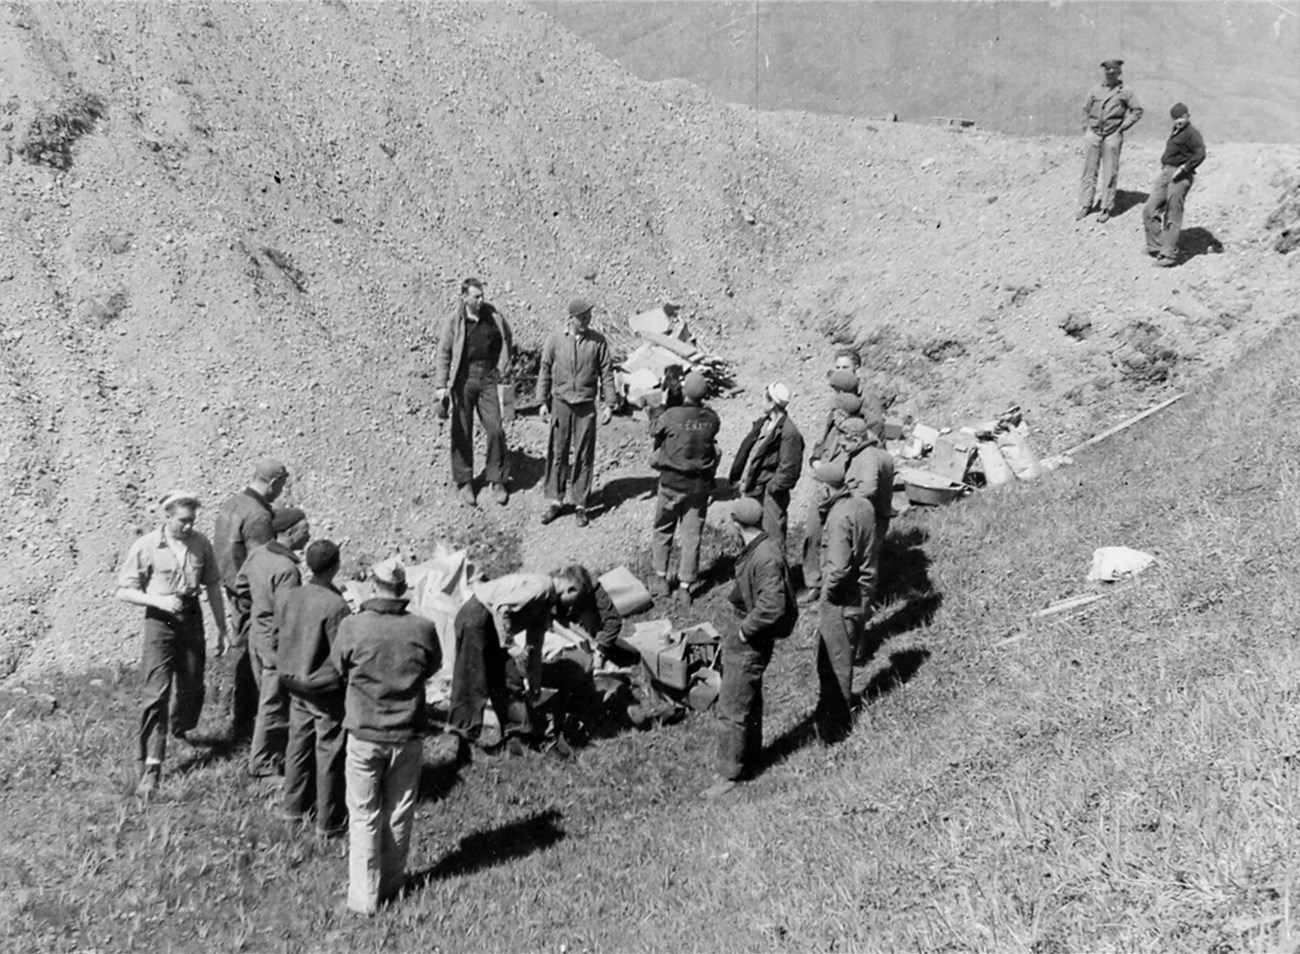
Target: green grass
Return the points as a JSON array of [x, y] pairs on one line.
[[1121, 778]]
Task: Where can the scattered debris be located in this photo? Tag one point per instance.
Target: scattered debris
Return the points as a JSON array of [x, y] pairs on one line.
[[668, 350], [1113, 563]]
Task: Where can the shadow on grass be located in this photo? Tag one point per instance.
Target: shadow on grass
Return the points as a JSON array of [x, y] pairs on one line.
[[209, 750], [437, 780], [496, 846]]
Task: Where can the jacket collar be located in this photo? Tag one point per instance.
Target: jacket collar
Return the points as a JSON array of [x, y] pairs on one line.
[[751, 546], [275, 546], [262, 501], [384, 605], [324, 586]]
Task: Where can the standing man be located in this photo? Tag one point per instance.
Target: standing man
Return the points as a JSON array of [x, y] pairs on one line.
[[474, 354], [686, 456], [1163, 214], [384, 654], [848, 581], [244, 522], [575, 363], [763, 598], [163, 572], [769, 461], [484, 671], [269, 572], [1109, 110], [307, 620]]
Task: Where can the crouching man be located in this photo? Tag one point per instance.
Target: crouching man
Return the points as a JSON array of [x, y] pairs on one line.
[[764, 599], [384, 654]]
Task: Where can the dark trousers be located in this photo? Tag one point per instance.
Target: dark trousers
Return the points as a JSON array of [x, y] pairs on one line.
[[684, 509], [839, 630], [1163, 213], [271, 729], [173, 658], [314, 759], [740, 704], [484, 671], [243, 691], [776, 504], [476, 389], [573, 427]]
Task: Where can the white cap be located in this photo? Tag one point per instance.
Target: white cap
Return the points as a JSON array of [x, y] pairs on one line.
[[778, 393]]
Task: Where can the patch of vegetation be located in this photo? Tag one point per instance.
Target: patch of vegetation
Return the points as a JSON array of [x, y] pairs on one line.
[[1143, 356], [53, 133]]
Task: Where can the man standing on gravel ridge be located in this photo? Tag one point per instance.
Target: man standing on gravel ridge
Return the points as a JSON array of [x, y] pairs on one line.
[[1110, 110], [164, 571], [244, 522], [576, 365], [1163, 214], [474, 354]]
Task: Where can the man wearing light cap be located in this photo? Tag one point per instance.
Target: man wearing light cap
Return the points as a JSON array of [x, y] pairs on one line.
[[268, 573], [244, 522], [1163, 213], [164, 572], [576, 368], [385, 655], [847, 582], [686, 455], [763, 598], [1108, 112], [769, 461]]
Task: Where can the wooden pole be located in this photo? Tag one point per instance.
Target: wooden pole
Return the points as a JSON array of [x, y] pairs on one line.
[[1126, 424]]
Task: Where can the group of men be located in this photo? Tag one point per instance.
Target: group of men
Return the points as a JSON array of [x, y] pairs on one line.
[[1110, 110]]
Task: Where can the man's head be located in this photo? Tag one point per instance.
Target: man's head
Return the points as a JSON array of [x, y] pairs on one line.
[[1110, 69], [1181, 115], [695, 388], [323, 559], [471, 293], [289, 524], [389, 578], [269, 478], [847, 359], [572, 584], [580, 313], [747, 518], [777, 397], [180, 508]]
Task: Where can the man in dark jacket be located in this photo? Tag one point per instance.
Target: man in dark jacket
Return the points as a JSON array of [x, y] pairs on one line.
[[1163, 213], [869, 474], [270, 571], [686, 456], [769, 461], [763, 598], [307, 621], [244, 522], [576, 367], [848, 535], [474, 354], [384, 654]]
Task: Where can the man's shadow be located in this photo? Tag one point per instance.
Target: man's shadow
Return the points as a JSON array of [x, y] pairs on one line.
[[1125, 200], [1199, 241], [495, 846], [526, 471], [622, 489]]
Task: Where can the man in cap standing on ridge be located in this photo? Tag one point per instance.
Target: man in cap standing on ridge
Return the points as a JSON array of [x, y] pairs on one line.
[[1108, 112], [474, 354], [576, 366], [244, 522], [267, 574], [769, 461], [164, 571], [1163, 214]]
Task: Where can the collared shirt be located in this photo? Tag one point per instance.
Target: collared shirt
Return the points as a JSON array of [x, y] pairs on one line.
[[573, 364], [519, 601], [160, 566], [1184, 148], [1110, 109]]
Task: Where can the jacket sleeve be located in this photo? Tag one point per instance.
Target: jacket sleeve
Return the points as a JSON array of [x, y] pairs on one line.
[[1087, 110], [434, 654], [611, 620], [544, 372], [1198, 153], [442, 358], [790, 463], [769, 599], [742, 454], [507, 342], [1133, 110], [257, 529], [607, 375], [280, 586], [836, 556], [340, 653], [714, 450]]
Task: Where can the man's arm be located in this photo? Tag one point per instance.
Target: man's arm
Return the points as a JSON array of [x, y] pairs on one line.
[[606, 379], [742, 454], [217, 605], [134, 577], [836, 555], [544, 373], [1197, 145], [442, 357], [790, 463], [1133, 111], [769, 600]]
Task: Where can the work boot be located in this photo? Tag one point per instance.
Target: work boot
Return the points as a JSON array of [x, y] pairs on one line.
[[500, 493], [1105, 216], [1165, 261], [149, 780], [582, 518], [466, 494], [658, 586], [683, 596], [552, 511]]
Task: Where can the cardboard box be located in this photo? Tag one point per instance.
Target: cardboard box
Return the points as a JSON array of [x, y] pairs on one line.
[[671, 656]]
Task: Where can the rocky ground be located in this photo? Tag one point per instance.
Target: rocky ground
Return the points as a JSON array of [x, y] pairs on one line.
[[235, 228]]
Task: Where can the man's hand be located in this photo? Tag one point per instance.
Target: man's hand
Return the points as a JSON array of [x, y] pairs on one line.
[[168, 604], [545, 412], [606, 414], [221, 642]]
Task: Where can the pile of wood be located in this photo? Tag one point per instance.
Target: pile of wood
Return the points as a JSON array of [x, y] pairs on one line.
[[667, 348]]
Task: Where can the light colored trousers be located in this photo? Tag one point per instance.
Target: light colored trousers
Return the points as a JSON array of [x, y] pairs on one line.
[[1100, 151], [383, 779]]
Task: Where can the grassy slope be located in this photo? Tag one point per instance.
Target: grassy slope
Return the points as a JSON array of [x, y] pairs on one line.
[[1122, 778]]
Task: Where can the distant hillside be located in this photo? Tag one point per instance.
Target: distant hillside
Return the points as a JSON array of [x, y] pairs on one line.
[[1018, 67]]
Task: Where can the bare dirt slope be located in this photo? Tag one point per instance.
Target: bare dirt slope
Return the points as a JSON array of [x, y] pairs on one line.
[[269, 207]]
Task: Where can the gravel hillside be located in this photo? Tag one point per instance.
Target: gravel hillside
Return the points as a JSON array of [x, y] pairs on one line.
[[234, 228]]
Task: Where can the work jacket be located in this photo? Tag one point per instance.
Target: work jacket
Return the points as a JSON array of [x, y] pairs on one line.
[[848, 540], [573, 365], [870, 475], [686, 447], [779, 464], [269, 571], [1110, 109], [451, 344], [306, 623], [243, 522], [763, 595]]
